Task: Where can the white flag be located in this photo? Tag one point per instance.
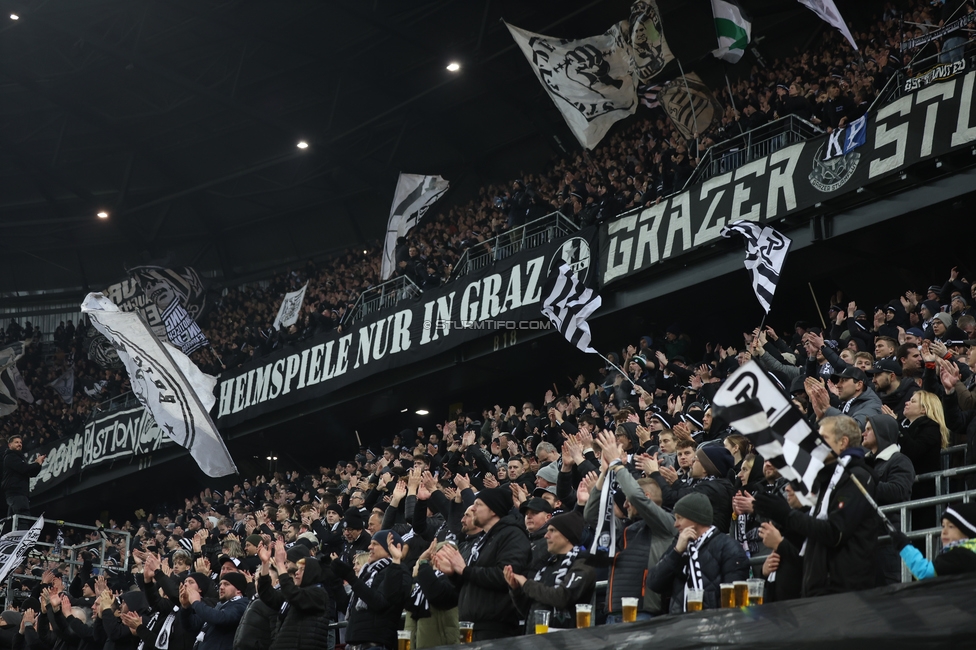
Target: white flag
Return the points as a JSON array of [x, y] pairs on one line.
[[166, 382], [8, 390], [593, 81], [23, 392], [733, 29], [415, 193], [568, 305], [766, 251], [64, 385], [829, 13], [15, 545], [290, 308]]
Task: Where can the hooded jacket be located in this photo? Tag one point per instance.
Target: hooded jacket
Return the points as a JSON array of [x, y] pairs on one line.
[[718, 490], [893, 469], [303, 609], [642, 544], [483, 592]]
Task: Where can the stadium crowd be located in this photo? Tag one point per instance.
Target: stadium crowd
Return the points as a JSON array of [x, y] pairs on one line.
[[493, 517]]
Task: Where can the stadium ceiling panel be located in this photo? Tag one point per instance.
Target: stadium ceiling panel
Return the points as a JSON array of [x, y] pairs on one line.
[[180, 120]]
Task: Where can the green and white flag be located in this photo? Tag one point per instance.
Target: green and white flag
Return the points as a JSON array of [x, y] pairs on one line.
[[733, 29]]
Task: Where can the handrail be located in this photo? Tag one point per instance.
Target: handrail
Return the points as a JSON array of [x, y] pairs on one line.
[[530, 235], [754, 144], [383, 295], [73, 561]]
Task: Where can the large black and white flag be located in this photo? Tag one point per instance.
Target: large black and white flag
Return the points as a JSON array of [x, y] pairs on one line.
[[830, 14], [766, 251], [23, 392], [64, 385], [593, 81], [166, 382], [15, 545], [750, 403], [568, 305], [690, 104], [415, 193], [291, 308], [8, 388]]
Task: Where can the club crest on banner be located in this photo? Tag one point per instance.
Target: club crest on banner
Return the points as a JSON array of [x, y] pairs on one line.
[[575, 252], [831, 175], [690, 104]]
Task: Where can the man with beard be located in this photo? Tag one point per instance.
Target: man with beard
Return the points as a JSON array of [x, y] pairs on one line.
[[910, 360], [483, 596], [893, 390], [356, 539], [856, 400], [215, 625]]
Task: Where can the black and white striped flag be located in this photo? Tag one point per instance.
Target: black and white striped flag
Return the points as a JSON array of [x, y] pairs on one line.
[[568, 306], [765, 254], [751, 404]]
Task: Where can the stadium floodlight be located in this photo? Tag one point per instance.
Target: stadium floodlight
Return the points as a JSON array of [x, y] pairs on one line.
[[453, 66]]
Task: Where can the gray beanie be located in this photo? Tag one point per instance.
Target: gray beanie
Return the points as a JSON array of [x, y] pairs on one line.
[[696, 507], [945, 318]]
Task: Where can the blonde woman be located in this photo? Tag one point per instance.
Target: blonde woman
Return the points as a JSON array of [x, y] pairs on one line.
[[923, 441]]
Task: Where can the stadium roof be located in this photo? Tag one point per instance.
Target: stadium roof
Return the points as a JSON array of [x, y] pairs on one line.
[[181, 121]]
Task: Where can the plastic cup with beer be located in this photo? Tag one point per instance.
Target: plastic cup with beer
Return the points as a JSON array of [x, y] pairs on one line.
[[695, 599], [757, 587], [726, 596], [740, 590], [467, 631], [403, 640], [541, 620], [584, 614], [630, 609]]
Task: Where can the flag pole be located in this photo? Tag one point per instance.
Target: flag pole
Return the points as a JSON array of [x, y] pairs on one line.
[[874, 504], [691, 102], [618, 369], [817, 304]]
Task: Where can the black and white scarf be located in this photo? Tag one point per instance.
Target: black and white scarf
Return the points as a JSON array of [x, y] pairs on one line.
[[822, 509], [605, 541], [367, 575], [162, 637], [565, 564], [692, 569]]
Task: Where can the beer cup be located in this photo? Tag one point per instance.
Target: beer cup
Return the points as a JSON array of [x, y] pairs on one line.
[[584, 613], [695, 598], [757, 587], [541, 620], [727, 597], [467, 631], [740, 589], [630, 609], [403, 640]]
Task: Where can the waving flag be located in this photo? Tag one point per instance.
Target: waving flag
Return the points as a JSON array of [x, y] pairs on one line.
[[166, 382], [568, 306], [765, 255]]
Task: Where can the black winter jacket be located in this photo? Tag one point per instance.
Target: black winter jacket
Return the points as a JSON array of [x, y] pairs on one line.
[[257, 626], [542, 594], [483, 596], [17, 473], [721, 560], [718, 490], [893, 469], [377, 623], [305, 622], [840, 550]]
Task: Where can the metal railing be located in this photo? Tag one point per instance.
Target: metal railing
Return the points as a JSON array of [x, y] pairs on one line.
[[906, 81], [752, 145], [382, 296], [535, 233], [70, 553]]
